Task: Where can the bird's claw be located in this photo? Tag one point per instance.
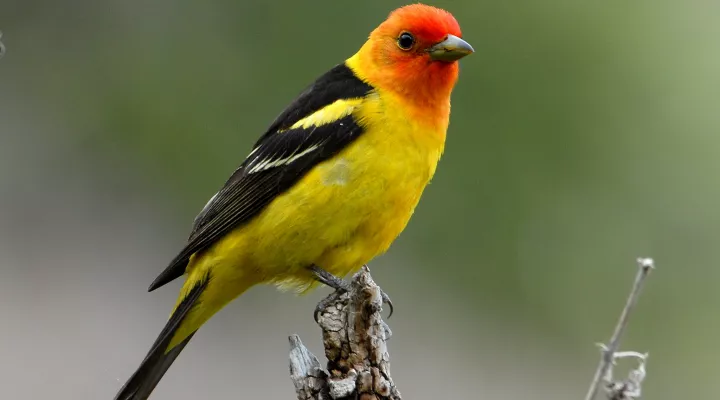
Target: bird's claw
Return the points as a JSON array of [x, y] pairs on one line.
[[323, 304], [386, 300], [341, 286]]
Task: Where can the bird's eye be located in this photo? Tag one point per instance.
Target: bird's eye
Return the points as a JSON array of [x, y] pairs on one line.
[[406, 41]]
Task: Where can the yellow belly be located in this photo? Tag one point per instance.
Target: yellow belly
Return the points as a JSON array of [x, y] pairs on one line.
[[340, 215]]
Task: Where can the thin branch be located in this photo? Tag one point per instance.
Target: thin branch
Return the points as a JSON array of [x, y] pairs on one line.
[[608, 356], [354, 337]]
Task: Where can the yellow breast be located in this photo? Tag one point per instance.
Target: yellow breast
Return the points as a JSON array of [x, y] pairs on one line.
[[369, 191], [345, 211]]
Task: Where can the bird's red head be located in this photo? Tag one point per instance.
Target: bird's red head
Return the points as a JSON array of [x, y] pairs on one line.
[[414, 53], [429, 25]]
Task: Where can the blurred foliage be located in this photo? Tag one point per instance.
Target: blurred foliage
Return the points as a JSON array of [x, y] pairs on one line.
[[582, 135]]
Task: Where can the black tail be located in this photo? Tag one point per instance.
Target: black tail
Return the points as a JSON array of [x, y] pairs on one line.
[[158, 359]]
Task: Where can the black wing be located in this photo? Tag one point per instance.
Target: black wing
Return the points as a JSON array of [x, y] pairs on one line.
[[278, 160]]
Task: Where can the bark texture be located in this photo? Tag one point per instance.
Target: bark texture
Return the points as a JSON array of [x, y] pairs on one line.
[[354, 336]]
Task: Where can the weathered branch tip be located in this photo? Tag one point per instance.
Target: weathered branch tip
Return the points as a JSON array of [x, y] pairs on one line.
[[354, 336], [630, 388]]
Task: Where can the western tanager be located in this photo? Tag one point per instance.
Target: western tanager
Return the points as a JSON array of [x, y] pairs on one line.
[[330, 184]]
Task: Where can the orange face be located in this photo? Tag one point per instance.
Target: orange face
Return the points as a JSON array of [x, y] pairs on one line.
[[428, 25], [415, 52]]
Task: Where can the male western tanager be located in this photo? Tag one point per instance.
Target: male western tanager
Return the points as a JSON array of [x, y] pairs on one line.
[[329, 185]]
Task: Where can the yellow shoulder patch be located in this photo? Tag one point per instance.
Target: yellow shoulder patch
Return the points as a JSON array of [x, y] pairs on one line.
[[329, 114]]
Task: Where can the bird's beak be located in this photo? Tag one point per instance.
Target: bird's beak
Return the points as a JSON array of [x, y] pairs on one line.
[[451, 49]]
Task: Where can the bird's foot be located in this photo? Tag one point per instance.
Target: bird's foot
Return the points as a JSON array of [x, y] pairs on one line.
[[341, 286], [329, 279]]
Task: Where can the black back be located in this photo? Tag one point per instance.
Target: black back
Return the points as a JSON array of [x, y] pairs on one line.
[[279, 159]]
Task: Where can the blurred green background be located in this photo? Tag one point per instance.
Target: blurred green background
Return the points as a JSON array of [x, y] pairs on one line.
[[583, 135]]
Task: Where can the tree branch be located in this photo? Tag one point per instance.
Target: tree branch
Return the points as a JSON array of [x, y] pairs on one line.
[[622, 390], [354, 337]]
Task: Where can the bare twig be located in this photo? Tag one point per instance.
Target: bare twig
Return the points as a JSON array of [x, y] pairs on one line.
[[354, 336], [609, 351]]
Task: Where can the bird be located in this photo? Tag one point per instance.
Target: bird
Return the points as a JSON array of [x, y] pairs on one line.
[[330, 184]]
